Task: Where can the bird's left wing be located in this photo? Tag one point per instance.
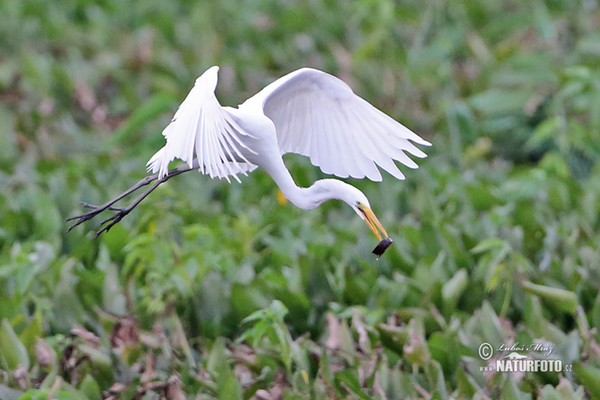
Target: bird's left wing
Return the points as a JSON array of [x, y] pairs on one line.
[[317, 115], [202, 128]]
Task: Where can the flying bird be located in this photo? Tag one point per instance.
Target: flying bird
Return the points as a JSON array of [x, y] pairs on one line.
[[308, 112]]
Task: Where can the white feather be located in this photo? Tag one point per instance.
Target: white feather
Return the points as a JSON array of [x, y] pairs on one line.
[[313, 113], [317, 115], [203, 129]]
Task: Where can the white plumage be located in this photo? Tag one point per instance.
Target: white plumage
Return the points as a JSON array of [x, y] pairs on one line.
[[315, 114], [308, 112], [204, 129]]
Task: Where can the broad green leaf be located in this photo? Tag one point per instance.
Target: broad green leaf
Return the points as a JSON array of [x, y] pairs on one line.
[[31, 333], [589, 376], [12, 352], [89, 387], [563, 391], [489, 244], [228, 387], [217, 360], [466, 384], [511, 391], [350, 379], [436, 380], [563, 299], [452, 289]]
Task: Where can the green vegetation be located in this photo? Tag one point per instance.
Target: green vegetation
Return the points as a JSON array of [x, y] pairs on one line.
[[217, 290]]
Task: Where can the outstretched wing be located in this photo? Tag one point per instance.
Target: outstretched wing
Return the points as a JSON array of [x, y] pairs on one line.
[[201, 128], [317, 115]]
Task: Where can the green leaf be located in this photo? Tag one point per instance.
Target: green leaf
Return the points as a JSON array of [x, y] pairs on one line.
[[511, 392], [350, 379], [47, 217], [489, 244], [564, 391], [31, 333], [155, 105], [435, 376], [90, 388], [217, 359], [280, 310], [452, 289], [12, 351], [496, 101], [590, 378], [562, 299], [228, 387], [466, 384]]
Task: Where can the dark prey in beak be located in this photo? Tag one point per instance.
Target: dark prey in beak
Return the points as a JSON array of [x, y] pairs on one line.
[[382, 246]]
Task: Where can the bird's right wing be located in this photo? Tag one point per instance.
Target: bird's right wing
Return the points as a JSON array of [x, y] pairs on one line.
[[202, 128], [317, 115]]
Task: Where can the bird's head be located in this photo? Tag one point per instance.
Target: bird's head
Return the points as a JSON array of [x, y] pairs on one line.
[[326, 189], [363, 209], [360, 204]]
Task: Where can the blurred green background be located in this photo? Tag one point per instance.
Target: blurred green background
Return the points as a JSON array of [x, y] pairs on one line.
[[210, 290]]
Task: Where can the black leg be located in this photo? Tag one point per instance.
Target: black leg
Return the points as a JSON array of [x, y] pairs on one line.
[[121, 212]]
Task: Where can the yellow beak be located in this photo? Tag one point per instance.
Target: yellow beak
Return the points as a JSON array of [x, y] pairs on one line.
[[372, 221]]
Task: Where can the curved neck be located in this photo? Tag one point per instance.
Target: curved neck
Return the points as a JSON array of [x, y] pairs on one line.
[[312, 196], [295, 194]]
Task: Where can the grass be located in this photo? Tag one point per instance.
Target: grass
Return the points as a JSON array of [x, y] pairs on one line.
[[212, 290]]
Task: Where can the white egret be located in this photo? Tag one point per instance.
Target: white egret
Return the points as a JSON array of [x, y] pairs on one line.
[[308, 112]]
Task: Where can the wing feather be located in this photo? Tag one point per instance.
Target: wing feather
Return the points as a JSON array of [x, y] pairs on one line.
[[370, 151], [357, 160], [377, 148], [352, 160], [203, 129], [317, 115]]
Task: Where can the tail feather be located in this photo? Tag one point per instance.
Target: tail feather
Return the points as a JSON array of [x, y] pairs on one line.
[[159, 163], [202, 129]]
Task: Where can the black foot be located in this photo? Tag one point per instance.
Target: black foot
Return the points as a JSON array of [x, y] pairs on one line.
[[114, 219], [79, 219], [121, 212]]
